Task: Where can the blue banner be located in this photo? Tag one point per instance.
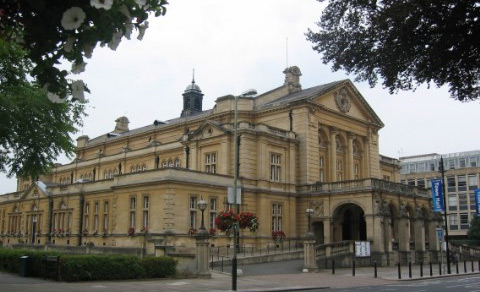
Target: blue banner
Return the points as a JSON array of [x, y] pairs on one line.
[[437, 194], [477, 202]]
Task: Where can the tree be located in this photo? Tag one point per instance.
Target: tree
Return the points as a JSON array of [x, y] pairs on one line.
[[37, 115], [474, 230], [33, 130], [51, 31], [406, 43]]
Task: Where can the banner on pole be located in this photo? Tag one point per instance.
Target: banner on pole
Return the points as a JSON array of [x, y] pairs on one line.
[[437, 194], [477, 202]]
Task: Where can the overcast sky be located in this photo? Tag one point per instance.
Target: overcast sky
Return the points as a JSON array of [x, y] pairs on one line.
[[238, 45]]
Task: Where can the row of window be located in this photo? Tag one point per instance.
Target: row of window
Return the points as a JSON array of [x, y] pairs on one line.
[[454, 183], [433, 165]]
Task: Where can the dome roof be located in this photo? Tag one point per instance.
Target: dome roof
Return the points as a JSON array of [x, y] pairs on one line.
[[192, 86]]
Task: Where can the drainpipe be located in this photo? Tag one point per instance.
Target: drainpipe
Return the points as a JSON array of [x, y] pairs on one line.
[[50, 219], [80, 233]]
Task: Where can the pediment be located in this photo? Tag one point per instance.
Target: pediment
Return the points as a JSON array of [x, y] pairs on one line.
[[37, 190], [345, 99], [208, 129]]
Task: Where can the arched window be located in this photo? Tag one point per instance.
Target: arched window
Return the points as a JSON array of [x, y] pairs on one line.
[[170, 163], [177, 162], [144, 167], [139, 168], [133, 169], [164, 164], [105, 174]]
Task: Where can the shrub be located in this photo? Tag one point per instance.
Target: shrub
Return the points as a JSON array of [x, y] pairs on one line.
[[159, 267]]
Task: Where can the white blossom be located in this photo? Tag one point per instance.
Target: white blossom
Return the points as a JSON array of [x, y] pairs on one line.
[[78, 90], [115, 41], [78, 68], [128, 30], [105, 4], [141, 30], [69, 44], [72, 18]]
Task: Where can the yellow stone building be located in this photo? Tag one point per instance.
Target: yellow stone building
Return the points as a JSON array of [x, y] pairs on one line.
[[315, 148]]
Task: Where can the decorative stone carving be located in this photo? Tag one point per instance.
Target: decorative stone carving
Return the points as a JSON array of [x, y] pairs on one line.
[[317, 207], [343, 100]]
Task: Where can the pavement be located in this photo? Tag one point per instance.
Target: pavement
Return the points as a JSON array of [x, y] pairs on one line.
[[278, 281]]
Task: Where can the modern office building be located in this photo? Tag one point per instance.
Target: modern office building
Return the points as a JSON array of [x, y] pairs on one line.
[[299, 149], [462, 171]]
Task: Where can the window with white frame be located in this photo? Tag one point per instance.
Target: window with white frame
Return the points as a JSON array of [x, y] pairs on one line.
[[105, 216], [213, 212], [275, 167], [146, 204], [211, 162], [276, 216], [177, 162], [322, 169], [95, 216], [193, 211], [356, 170], [133, 207], [339, 170], [86, 217]]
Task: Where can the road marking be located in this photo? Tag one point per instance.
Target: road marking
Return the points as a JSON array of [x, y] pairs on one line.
[[178, 283]]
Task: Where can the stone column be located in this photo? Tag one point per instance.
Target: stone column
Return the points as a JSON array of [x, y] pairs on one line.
[[333, 154], [309, 257], [350, 171], [327, 231], [201, 256]]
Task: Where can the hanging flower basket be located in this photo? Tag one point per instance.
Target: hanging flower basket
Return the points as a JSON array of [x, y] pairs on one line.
[[226, 220]]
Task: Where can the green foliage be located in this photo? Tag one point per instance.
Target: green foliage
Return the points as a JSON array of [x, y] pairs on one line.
[[158, 267], [50, 31], [100, 267], [33, 130], [474, 231], [10, 261], [406, 43]]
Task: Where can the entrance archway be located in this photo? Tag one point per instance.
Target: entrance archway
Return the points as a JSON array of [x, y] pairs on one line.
[[350, 223]]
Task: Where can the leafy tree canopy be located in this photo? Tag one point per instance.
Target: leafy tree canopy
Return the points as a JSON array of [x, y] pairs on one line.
[[474, 230], [33, 130], [54, 30], [406, 43]]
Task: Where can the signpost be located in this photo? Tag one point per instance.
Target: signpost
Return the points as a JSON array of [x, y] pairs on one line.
[[362, 248], [437, 194]]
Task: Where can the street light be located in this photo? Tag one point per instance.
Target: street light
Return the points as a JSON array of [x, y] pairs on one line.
[[309, 213], [442, 171], [202, 205]]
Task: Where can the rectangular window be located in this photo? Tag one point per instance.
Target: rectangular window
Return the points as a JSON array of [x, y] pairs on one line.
[[133, 206], [463, 201], [464, 221], [411, 182], [95, 217], [421, 183], [453, 222], [339, 170], [462, 162], [276, 217], [105, 216], [211, 162], [462, 183], [451, 164], [431, 166], [473, 161], [356, 170], [213, 212], [421, 167], [193, 212], [452, 185], [472, 181], [85, 220], [145, 212], [275, 167], [452, 202]]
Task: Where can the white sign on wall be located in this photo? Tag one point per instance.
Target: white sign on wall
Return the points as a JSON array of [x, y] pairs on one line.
[[232, 197], [362, 248]]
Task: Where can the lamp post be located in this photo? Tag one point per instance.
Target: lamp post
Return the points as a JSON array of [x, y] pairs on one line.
[[442, 171], [235, 178], [202, 205]]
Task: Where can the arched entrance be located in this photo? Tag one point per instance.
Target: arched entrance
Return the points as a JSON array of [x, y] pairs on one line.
[[349, 223]]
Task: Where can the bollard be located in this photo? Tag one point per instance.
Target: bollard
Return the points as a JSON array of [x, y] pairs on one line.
[[375, 269], [472, 267], [409, 270], [353, 268], [333, 267], [244, 250], [464, 266], [212, 261], [431, 269], [456, 267], [222, 264], [399, 271], [440, 269], [421, 269]]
